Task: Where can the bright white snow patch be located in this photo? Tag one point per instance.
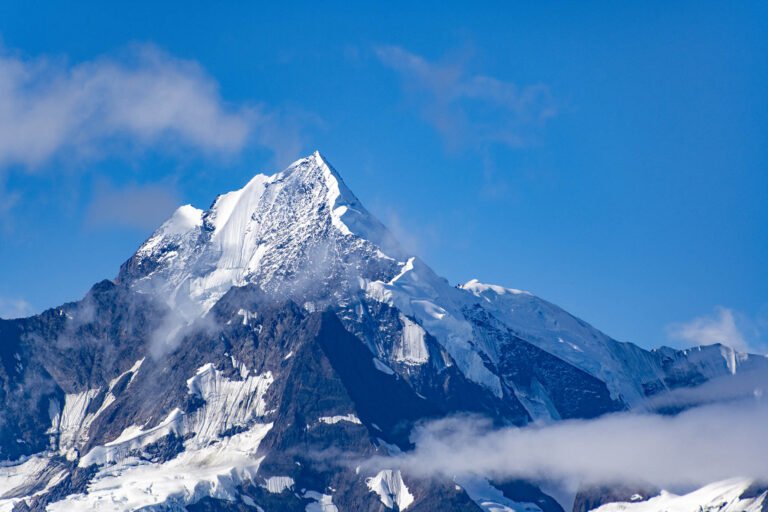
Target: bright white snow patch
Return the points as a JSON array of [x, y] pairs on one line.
[[389, 485], [228, 403], [132, 438], [478, 288], [71, 424], [247, 316], [332, 420], [720, 496], [184, 219], [277, 484], [411, 349]]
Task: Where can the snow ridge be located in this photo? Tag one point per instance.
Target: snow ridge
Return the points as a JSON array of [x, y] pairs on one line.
[[725, 496]]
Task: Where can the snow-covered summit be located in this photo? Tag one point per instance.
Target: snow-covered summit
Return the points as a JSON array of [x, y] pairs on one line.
[[302, 234], [286, 233]]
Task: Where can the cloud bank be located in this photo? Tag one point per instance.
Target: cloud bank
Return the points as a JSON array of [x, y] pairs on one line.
[[699, 446], [144, 98], [48, 107]]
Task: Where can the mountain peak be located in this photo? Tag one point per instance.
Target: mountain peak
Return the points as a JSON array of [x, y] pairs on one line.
[[301, 234], [281, 232], [313, 166]]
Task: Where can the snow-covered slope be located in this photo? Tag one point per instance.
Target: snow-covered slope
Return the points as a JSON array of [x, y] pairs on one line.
[[283, 322], [623, 367], [727, 496]]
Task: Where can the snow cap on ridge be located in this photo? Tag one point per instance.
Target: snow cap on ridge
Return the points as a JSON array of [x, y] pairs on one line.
[[477, 288]]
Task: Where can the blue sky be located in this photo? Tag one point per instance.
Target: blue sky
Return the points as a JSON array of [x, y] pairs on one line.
[[609, 157]]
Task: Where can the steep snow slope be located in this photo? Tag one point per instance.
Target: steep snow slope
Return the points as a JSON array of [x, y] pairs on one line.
[[623, 366]]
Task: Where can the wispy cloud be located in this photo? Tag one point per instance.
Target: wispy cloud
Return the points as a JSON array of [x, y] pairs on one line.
[[133, 206], [415, 238], [690, 449], [720, 327], [8, 200], [143, 98], [728, 388], [467, 109], [14, 308]]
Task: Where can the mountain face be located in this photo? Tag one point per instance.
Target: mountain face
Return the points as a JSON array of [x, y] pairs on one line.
[[250, 356]]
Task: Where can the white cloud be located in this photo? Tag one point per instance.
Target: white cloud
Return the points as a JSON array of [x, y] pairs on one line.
[[135, 206], [14, 308], [470, 109], [144, 98], [721, 327], [696, 447]]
